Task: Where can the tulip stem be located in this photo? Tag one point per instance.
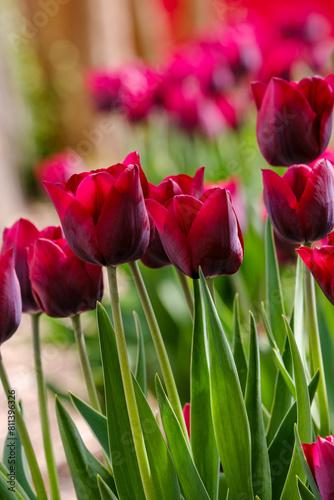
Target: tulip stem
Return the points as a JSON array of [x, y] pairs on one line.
[[43, 410], [187, 291], [24, 437], [160, 348], [130, 397], [315, 350], [211, 286], [84, 361]]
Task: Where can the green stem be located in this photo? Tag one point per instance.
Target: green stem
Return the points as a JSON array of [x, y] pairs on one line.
[[187, 292], [130, 398], [25, 439], [211, 286], [43, 410], [84, 361], [160, 348], [315, 350]]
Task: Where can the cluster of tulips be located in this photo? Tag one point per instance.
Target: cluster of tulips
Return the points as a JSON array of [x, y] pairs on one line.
[[114, 216]]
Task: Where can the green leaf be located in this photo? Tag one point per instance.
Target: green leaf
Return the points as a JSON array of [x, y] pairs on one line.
[[285, 374], [140, 368], [190, 481], [281, 448], [162, 469], [96, 421], [203, 442], [274, 289], [304, 420], [105, 492], [304, 492], [260, 461], [5, 492], [228, 408], [19, 491], [282, 395], [83, 466], [306, 468], [122, 451], [21, 468], [237, 348]]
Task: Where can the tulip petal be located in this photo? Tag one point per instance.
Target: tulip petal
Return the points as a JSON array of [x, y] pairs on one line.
[[184, 208], [215, 237], [281, 203], [285, 126], [92, 192], [316, 207], [123, 228], [172, 238], [320, 261], [60, 198], [73, 293], [134, 159], [323, 458], [10, 297]]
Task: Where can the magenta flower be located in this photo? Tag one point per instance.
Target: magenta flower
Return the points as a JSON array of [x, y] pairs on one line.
[[300, 204], [320, 458], [60, 167], [62, 284], [19, 237], [10, 297], [103, 213], [294, 120], [199, 233]]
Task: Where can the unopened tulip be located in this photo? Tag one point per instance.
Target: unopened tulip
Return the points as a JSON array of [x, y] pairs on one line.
[[320, 458], [103, 214], [294, 121], [19, 237], [300, 204], [62, 284], [10, 297], [197, 233]]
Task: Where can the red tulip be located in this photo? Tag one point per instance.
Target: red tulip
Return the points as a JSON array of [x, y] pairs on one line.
[[19, 237], [103, 214], [60, 167], [186, 416], [294, 120], [173, 185], [198, 233], [300, 204], [10, 297], [62, 284], [320, 261], [320, 458]]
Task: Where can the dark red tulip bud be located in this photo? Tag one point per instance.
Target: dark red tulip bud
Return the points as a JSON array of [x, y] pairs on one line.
[[103, 214], [10, 297], [320, 459], [199, 234], [62, 284], [300, 204], [19, 237], [294, 120]]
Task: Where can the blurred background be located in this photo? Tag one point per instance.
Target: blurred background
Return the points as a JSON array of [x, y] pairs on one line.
[[84, 83]]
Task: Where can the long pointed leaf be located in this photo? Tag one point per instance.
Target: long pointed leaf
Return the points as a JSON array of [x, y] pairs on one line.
[[190, 481], [228, 408], [203, 441], [105, 492], [83, 466], [237, 348], [96, 421], [260, 461], [140, 368], [304, 492], [274, 289], [304, 421], [122, 451]]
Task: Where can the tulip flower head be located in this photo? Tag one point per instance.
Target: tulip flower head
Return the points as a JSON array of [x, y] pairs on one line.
[[10, 297], [19, 237], [173, 185], [320, 261], [300, 204], [103, 213], [62, 284], [199, 233], [294, 120], [320, 458]]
